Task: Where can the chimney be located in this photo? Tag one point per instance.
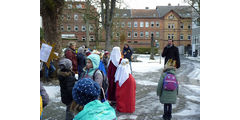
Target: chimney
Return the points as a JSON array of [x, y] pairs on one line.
[[169, 4], [146, 8]]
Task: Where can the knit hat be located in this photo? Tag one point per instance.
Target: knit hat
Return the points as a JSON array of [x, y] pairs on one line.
[[85, 91], [65, 63]]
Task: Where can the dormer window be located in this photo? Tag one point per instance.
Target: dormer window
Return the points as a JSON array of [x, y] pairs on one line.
[[170, 17]]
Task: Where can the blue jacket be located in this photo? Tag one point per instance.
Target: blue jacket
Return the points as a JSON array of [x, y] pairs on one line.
[[96, 110]]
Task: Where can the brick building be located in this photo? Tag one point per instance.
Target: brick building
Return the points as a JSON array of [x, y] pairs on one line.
[[73, 26], [133, 26], [164, 22]]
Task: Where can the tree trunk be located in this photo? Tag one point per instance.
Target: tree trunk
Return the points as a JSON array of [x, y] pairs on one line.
[[51, 34]]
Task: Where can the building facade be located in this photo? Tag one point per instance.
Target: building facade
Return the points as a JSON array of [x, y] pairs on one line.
[[164, 22], [73, 24]]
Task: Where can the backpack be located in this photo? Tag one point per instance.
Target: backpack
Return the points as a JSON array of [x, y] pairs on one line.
[[104, 85], [170, 82]]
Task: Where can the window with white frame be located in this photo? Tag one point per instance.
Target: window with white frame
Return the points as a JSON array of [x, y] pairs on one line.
[[123, 24], [69, 28], [169, 25], [146, 24], [173, 26], [169, 36], [76, 28], [157, 34], [181, 37], [83, 38], [141, 24], [172, 36], [118, 25], [117, 34], [91, 37], [181, 25], [141, 34], [189, 26], [79, 6], [83, 28], [135, 34], [75, 17], [129, 34], [68, 17], [129, 24], [189, 37], [135, 24], [62, 28], [157, 24], [152, 34], [146, 34], [90, 28], [69, 6], [152, 24], [62, 17]]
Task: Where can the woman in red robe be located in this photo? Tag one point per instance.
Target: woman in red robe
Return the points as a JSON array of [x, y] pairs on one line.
[[114, 60], [125, 88]]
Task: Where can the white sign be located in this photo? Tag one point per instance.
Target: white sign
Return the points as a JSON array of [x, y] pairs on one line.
[[45, 52]]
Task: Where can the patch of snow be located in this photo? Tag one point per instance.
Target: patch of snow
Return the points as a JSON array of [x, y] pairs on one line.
[[194, 88], [194, 58], [147, 83], [147, 65], [53, 93], [192, 109], [132, 117], [195, 74], [194, 98]]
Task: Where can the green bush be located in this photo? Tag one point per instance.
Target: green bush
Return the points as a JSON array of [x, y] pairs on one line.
[[144, 50]]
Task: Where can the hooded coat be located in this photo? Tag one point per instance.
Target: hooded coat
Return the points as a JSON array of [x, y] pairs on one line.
[[166, 97], [96, 110], [95, 59], [66, 81]]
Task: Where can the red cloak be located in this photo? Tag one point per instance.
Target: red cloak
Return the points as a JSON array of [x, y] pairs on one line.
[[125, 95]]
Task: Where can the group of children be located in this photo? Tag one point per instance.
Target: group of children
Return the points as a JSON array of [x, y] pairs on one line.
[[94, 94]]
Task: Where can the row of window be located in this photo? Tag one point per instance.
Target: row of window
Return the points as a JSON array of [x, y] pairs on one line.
[[78, 6], [136, 24], [135, 34], [69, 28], [69, 17], [171, 25], [181, 36], [91, 38]]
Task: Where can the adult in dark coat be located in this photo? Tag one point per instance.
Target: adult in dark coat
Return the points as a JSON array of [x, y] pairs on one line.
[[171, 52], [127, 53], [67, 80], [70, 53], [81, 60]]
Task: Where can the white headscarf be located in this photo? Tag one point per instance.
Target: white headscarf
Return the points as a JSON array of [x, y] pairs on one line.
[[123, 71], [115, 56]]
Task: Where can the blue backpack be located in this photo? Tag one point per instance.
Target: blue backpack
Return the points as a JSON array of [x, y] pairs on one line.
[[170, 82]]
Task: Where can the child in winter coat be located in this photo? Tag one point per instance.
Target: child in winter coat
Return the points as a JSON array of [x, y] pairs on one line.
[[167, 89], [86, 104], [67, 80]]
